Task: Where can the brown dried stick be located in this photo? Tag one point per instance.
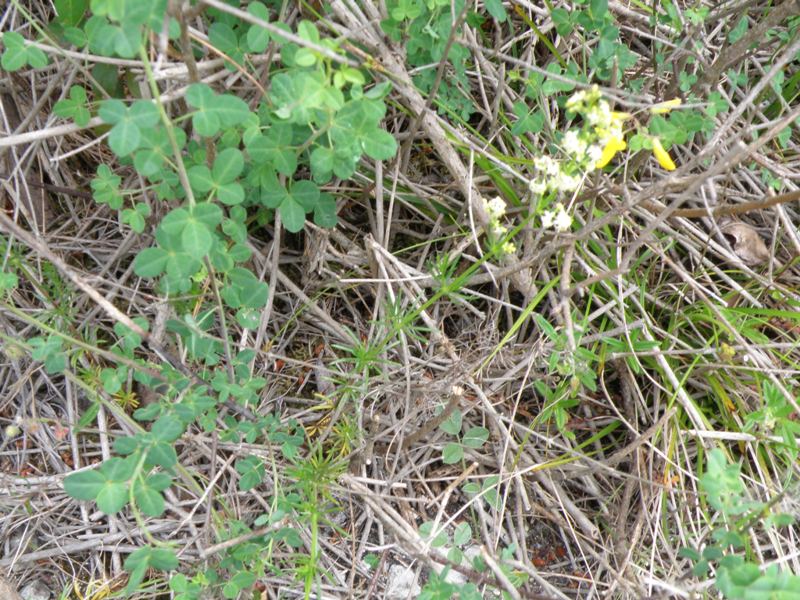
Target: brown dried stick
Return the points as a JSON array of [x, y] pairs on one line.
[[725, 209], [455, 397]]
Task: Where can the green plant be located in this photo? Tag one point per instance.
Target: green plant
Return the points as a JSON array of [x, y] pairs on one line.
[[573, 366], [18, 53], [737, 575], [209, 171], [439, 588], [461, 551], [314, 477], [221, 128], [363, 356], [428, 27], [474, 437], [488, 490], [775, 417]]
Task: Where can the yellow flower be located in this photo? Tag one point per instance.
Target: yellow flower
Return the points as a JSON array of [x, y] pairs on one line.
[[728, 353], [614, 144], [664, 107], [662, 156], [508, 248]]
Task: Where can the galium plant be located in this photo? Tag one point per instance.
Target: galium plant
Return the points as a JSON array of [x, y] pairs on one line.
[[593, 145], [208, 167], [496, 209]]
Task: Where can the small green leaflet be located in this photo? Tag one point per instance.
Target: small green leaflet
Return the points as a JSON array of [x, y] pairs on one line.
[[128, 122], [214, 111], [75, 107]]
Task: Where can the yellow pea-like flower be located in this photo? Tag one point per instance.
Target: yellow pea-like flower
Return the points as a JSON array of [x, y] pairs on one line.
[[613, 145], [666, 106], [662, 156]]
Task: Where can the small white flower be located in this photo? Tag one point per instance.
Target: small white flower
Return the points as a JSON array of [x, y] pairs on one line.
[[600, 115], [548, 218], [566, 183], [594, 152], [576, 99], [574, 145], [563, 221], [558, 218], [495, 207], [537, 186], [547, 166], [615, 128]]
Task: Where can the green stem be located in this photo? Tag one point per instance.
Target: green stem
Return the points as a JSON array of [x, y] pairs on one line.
[[168, 125], [110, 356]]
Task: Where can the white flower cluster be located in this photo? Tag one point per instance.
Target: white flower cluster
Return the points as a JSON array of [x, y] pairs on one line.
[[603, 138], [558, 218], [552, 176], [581, 151], [583, 98], [574, 144], [496, 209], [588, 147]]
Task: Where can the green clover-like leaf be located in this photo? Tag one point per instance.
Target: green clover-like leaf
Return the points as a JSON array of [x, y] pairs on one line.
[[150, 262], [244, 290], [161, 454], [150, 502], [224, 38], [380, 145], [200, 178], [475, 437], [322, 163], [207, 213], [462, 534], [252, 472], [8, 281], [84, 485], [496, 9], [50, 352], [135, 217], [70, 12], [142, 559], [228, 165], [127, 40], [293, 215], [75, 107], [325, 212], [113, 497], [452, 453], [105, 188], [215, 111], [17, 54], [196, 238], [128, 122], [274, 148], [257, 36], [112, 380], [167, 428], [452, 424], [306, 193]]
